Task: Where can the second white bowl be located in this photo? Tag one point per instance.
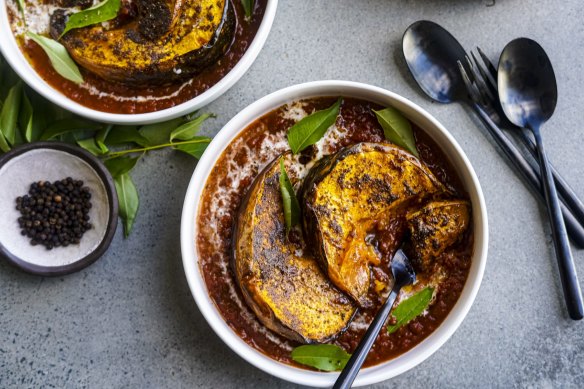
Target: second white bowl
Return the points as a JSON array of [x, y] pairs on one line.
[[383, 97]]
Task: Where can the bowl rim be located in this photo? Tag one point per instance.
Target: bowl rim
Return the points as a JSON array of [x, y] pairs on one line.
[[15, 58], [190, 211], [112, 223]]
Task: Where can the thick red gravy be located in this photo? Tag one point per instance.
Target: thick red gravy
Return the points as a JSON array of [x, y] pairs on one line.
[[227, 184], [119, 98]]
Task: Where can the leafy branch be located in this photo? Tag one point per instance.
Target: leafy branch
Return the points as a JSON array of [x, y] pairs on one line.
[[26, 117]]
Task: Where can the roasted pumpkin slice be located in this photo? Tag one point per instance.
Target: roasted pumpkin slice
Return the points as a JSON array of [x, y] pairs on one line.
[[435, 228], [283, 285], [152, 41], [346, 194]]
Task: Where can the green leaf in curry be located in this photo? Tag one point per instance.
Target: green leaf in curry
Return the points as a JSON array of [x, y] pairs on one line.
[[397, 129], [189, 129], [101, 12], [59, 57], [128, 201], [195, 149], [310, 129], [248, 6], [327, 357], [289, 201], [410, 308], [9, 113], [22, 7]]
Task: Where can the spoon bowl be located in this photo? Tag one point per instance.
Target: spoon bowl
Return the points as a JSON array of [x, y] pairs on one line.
[[431, 53], [403, 274], [527, 83]]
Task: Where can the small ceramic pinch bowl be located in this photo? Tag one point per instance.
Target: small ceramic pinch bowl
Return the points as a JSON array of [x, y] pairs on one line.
[[53, 161], [441, 137]]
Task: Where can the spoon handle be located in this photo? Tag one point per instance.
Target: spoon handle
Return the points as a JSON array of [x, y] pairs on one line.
[[354, 364], [531, 176], [564, 189], [569, 279]]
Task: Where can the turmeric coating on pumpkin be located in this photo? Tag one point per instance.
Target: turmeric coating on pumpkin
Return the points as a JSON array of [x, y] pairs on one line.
[[188, 36], [282, 283], [346, 194], [436, 227]]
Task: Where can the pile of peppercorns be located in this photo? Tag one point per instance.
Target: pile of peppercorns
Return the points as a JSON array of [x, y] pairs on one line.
[[55, 214]]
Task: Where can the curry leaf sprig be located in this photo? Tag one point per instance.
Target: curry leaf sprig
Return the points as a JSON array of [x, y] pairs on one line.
[[121, 147], [397, 129], [26, 117], [326, 357]]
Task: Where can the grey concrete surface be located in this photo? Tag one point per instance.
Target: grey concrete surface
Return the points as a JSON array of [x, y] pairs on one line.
[[129, 320]]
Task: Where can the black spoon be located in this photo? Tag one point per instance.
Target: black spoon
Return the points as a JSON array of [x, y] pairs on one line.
[[432, 53], [528, 94], [403, 274]]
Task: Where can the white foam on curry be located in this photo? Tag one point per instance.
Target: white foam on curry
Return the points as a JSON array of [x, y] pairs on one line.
[[137, 98], [272, 146]]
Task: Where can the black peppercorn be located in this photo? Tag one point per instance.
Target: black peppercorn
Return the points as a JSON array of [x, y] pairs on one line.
[[55, 214]]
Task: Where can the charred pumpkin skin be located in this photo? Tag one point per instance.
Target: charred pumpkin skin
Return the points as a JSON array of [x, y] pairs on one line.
[[286, 289], [345, 194], [434, 228], [188, 36]]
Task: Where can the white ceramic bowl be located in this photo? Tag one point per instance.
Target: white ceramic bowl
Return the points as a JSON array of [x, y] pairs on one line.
[[417, 115], [18, 62]]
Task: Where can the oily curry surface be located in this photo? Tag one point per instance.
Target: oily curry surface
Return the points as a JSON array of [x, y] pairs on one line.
[[232, 180]]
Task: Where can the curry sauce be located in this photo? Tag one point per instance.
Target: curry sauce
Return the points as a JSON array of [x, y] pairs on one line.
[[227, 186]]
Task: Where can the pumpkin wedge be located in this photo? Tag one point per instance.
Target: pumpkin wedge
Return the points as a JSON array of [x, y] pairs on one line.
[[436, 227], [346, 194], [158, 41], [284, 285]]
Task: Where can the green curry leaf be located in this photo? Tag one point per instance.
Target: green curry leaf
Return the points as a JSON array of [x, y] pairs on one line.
[[159, 133], [90, 145], [195, 149], [289, 200], [248, 6], [119, 135], [121, 165], [310, 129], [25, 118], [9, 113], [102, 12], [59, 57], [327, 357], [69, 125], [189, 129], [410, 308], [128, 200], [397, 129]]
